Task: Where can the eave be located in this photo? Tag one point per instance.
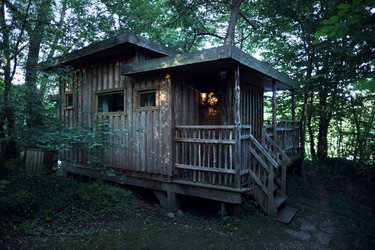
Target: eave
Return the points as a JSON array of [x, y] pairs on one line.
[[219, 58], [120, 45]]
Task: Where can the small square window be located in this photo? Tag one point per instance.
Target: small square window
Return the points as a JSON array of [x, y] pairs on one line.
[[147, 99], [69, 100], [113, 102]]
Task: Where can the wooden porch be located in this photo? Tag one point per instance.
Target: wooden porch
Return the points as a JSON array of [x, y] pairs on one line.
[[230, 156]]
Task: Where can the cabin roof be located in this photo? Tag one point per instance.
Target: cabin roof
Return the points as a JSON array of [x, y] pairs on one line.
[[202, 63], [124, 43]]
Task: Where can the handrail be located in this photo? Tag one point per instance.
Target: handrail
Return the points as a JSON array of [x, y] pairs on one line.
[[205, 126], [265, 153], [267, 123], [208, 141], [277, 147], [211, 126]]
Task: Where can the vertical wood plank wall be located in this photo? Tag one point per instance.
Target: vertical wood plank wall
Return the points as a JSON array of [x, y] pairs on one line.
[[149, 147], [252, 109], [139, 138], [185, 103]]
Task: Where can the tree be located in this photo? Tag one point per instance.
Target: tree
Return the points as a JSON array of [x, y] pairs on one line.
[[36, 35], [13, 20], [354, 23], [324, 69]]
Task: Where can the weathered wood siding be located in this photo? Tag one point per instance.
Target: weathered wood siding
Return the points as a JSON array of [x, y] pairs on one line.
[[149, 145], [136, 134], [252, 109], [84, 84], [186, 105]]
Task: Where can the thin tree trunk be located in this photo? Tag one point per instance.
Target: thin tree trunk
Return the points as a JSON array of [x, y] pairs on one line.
[[309, 68], [322, 152], [235, 11], [311, 131]]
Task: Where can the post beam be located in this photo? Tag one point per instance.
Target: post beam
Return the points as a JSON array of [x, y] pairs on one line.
[[274, 123], [237, 124], [293, 105]]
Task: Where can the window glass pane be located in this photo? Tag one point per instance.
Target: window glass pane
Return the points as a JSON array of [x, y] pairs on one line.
[[69, 100], [147, 99], [111, 102]]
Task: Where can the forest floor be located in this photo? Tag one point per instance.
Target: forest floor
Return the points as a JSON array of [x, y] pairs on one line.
[[329, 217]]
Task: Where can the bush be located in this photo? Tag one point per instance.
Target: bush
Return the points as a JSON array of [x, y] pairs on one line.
[[61, 200], [17, 205]]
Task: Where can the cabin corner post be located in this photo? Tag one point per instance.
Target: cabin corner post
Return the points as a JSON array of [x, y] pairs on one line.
[[237, 124], [61, 94], [274, 122], [293, 105], [166, 127], [270, 180]]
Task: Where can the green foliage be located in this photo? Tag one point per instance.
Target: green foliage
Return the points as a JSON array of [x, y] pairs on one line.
[[30, 200], [17, 205], [3, 184]]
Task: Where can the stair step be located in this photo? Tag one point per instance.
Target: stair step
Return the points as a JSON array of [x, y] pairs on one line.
[[278, 200], [286, 214]]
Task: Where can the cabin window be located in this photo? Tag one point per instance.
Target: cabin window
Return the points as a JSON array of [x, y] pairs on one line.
[[147, 99], [113, 102], [69, 100]]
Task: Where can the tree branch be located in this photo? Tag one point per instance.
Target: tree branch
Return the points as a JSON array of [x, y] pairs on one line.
[[209, 34], [253, 24], [10, 5]]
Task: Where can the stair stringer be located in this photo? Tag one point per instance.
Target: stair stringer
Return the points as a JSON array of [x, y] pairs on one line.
[[263, 168]]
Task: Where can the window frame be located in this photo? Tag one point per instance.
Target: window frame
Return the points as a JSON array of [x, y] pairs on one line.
[[101, 93], [145, 91], [67, 96]]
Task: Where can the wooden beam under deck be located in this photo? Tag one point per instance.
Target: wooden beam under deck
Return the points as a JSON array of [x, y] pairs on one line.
[[206, 191]]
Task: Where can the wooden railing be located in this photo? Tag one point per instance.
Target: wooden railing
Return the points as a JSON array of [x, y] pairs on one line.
[[205, 153], [287, 137]]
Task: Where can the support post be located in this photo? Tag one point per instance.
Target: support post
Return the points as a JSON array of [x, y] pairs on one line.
[[168, 200], [293, 105], [271, 170], [274, 123], [237, 123], [295, 142], [283, 179]]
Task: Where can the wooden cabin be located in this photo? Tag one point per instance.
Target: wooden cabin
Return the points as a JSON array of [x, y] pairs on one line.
[[181, 124]]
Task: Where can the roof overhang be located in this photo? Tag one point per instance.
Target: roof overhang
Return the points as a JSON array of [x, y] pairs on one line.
[[204, 62], [120, 45]]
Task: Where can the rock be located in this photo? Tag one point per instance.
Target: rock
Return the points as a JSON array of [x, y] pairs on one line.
[[323, 238], [307, 226], [171, 215], [180, 213], [298, 234], [327, 227]]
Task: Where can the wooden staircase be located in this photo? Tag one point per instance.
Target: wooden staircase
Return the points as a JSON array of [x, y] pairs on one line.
[[268, 173]]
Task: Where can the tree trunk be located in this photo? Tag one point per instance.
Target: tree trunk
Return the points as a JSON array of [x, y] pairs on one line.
[[235, 11], [322, 153], [311, 131], [34, 102], [324, 120], [9, 149]]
